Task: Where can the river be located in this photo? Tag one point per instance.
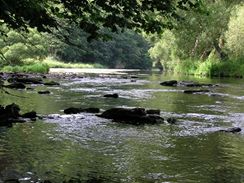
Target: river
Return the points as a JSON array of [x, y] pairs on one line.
[[85, 148]]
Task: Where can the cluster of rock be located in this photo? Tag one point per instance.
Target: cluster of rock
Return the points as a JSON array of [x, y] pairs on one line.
[[19, 81], [10, 114], [174, 83]]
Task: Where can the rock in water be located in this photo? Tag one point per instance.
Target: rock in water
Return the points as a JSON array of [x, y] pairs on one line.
[[232, 130], [73, 110], [195, 91], [171, 120], [31, 114], [153, 111], [135, 116], [15, 86], [169, 83], [44, 92], [51, 83], [115, 95]]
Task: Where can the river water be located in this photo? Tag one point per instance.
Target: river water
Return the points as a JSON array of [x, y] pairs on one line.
[[85, 148]]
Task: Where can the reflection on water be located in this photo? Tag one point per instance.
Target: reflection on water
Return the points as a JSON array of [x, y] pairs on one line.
[[86, 148]]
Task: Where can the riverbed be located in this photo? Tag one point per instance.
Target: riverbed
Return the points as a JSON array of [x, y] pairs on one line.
[[85, 148]]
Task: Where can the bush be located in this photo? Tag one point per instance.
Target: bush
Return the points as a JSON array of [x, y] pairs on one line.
[[33, 68]]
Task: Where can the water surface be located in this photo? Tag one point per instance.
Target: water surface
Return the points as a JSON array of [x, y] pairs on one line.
[[86, 148]]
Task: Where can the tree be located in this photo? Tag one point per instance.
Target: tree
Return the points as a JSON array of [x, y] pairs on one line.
[[235, 34], [91, 15]]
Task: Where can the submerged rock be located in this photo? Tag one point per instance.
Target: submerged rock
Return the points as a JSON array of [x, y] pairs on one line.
[[51, 83], [135, 116], [26, 80], [169, 83], [171, 120], [31, 114], [231, 130], [115, 95], [195, 91], [44, 92], [73, 110], [153, 111], [15, 86], [10, 114]]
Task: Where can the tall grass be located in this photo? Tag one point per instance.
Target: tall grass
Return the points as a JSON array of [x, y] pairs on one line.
[[211, 67], [32, 68], [52, 63]]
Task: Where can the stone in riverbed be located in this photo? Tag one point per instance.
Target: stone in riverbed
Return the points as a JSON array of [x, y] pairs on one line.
[[115, 95], [231, 130], [135, 116], [73, 110], [169, 83], [44, 92], [31, 114], [171, 120], [153, 111], [51, 83], [26, 80], [15, 86], [196, 91]]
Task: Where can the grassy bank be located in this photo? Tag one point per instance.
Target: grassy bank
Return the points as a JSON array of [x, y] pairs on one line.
[[30, 66], [211, 68]]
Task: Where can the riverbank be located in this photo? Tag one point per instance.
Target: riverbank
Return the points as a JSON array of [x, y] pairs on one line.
[[210, 68], [45, 65]]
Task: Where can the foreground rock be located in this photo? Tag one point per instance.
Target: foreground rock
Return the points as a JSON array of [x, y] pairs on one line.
[[10, 114], [196, 91], [186, 84], [115, 95], [231, 130], [25, 80], [43, 92], [169, 83], [135, 116], [15, 86], [73, 110]]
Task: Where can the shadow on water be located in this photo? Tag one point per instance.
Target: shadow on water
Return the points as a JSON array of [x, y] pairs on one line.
[[85, 148]]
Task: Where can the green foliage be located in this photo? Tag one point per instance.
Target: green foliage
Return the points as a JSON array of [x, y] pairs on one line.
[[91, 15], [235, 34], [33, 68], [123, 50], [52, 63], [16, 47]]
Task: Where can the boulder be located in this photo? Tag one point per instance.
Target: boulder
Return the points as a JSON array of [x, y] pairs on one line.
[[115, 95], [44, 92], [73, 110], [153, 111], [15, 86], [51, 83], [169, 83], [171, 120], [26, 80], [135, 116], [231, 130], [195, 91], [31, 115]]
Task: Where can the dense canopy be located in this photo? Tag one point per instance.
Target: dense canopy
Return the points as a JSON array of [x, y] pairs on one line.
[[91, 15]]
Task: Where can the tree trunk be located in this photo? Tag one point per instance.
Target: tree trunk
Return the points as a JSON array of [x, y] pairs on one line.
[[221, 53]]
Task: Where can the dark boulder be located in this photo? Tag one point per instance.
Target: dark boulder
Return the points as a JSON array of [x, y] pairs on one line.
[[231, 130], [31, 114], [153, 111], [12, 110], [51, 83], [115, 95], [73, 110], [171, 120], [26, 80], [135, 116], [195, 91], [169, 83], [44, 92], [15, 86]]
